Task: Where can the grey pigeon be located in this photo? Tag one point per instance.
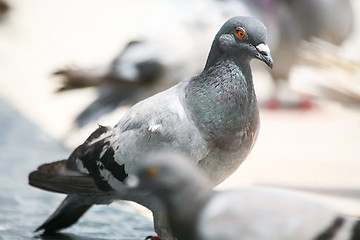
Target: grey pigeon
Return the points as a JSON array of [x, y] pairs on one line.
[[213, 118], [153, 62], [195, 211]]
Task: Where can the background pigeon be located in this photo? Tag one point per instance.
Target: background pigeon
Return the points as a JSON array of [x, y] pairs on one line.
[[212, 118], [195, 211], [305, 20], [4, 9], [154, 62], [331, 76]]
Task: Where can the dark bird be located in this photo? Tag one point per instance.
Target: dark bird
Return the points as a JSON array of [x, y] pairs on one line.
[[195, 211], [213, 118]]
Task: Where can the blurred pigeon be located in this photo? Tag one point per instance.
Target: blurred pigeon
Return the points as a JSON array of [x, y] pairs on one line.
[[213, 118], [333, 76], [155, 62], [4, 9], [305, 20], [195, 211]]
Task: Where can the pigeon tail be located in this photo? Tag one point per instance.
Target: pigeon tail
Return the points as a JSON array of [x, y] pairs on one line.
[[64, 176], [75, 78], [56, 177]]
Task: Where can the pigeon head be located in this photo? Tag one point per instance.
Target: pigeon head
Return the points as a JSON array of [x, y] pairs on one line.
[[241, 39], [164, 173]]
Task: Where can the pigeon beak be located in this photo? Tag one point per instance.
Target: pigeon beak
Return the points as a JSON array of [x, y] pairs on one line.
[[264, 54], [132, 181]]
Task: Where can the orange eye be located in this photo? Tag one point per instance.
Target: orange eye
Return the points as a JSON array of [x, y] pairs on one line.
[[241, 33], [153, 172]]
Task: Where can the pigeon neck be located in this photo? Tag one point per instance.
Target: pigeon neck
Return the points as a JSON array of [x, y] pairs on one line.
[[183, 219], [222, 101]]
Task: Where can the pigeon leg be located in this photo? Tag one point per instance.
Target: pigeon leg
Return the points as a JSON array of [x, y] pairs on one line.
[[69, 211]]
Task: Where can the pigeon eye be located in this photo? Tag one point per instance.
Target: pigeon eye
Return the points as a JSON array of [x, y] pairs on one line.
[[241, 33], [152, 172]]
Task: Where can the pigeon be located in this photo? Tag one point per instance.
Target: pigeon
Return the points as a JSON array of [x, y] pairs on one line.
[[336, 79], [213, 118], [4, 10], [300, 21], [152, 62], [196, 211]]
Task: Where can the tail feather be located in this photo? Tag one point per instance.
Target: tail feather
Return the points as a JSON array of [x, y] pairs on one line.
[[75, 78], [55, 177], [68, 213], [65, 177], [334, 75]]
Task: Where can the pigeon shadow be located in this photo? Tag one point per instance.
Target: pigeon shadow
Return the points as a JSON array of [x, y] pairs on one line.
[[64, 236]]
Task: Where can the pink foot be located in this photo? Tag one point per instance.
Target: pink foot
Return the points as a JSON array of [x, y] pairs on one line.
[[272, 104], [152, 238], [306, 104]]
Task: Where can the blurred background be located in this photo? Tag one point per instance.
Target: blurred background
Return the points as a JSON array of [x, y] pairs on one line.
[[67, 65]]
